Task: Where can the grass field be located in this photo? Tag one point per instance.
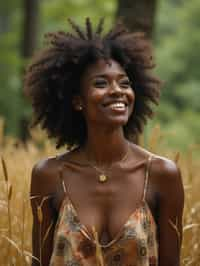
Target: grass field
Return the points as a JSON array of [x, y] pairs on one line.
[[15, 213]]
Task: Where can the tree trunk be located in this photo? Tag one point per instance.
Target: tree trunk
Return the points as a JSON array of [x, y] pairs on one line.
[[30, 27], [138, 15], [29, 43]]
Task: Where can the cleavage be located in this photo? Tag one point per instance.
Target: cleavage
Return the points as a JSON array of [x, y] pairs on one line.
[[105, 234]]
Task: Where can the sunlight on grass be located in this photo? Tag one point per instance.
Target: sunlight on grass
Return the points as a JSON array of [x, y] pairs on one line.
[[16, 220]]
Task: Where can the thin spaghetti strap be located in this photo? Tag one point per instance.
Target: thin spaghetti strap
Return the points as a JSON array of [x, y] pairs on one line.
[[65, 187], [62, 182], [147, 176]]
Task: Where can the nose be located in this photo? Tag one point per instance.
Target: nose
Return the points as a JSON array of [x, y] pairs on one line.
[[115, 88]]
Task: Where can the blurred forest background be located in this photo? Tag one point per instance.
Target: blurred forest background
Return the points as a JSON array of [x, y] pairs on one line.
[[172, 24]]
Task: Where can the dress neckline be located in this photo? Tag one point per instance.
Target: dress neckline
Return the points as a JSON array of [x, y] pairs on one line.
[[140, 206], [84, 230]]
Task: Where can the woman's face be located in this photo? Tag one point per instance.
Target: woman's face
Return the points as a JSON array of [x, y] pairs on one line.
[[106, 94]]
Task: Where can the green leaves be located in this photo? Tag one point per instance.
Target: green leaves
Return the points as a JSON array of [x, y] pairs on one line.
[[178, 58]]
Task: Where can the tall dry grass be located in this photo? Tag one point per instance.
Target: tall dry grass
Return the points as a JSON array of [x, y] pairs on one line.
[[15, 213]]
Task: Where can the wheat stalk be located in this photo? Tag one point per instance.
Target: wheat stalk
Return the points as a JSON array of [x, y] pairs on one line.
[[99, 254], [188, 162], [9, 195], [40, 220]]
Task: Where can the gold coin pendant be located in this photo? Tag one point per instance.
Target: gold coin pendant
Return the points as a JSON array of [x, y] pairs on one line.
[[103, 178]]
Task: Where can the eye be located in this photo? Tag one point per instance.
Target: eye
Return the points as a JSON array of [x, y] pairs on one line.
[[125, 83], [100, 83]]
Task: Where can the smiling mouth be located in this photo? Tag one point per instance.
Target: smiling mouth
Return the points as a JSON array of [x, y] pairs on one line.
[[117, 106]]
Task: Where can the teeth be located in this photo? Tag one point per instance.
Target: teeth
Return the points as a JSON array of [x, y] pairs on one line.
[[117, 105]]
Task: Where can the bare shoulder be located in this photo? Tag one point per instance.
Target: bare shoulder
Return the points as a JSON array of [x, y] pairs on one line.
[[44, 176], [167, 177], [165, 168]]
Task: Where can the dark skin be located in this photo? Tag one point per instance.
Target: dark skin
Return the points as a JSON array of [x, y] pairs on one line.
[[108, 206]]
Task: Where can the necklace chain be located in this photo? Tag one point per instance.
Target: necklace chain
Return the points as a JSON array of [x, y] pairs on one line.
[[103, 177]]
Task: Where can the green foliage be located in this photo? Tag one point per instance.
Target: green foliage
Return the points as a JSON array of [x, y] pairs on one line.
[[177, 42], [10, 63], [53, 16], [178, 56]]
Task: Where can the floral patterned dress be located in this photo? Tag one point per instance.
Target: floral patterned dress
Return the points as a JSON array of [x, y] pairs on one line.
[[135, 245]]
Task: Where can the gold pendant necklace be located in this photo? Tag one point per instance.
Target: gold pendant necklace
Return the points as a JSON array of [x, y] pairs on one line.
[[102, 178]]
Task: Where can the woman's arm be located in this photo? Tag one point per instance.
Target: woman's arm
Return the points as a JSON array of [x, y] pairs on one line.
[[171, 203], [42, 189]]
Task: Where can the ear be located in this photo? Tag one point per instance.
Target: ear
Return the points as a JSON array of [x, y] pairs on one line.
[[77, 103]]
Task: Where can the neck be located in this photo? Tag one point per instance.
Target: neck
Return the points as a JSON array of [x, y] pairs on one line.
[[104, 147]]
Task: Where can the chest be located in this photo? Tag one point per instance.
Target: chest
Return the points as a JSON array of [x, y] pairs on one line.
[[135, 243], [106, 206]]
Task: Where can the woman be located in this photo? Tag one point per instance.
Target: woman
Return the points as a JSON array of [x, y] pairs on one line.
[[106, 201]]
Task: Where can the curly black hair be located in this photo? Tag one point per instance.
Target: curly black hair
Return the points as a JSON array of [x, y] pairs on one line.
[[53, 78]]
